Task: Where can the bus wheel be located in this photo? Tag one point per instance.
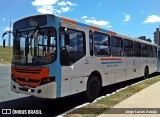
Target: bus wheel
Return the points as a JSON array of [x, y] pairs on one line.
[[93, 88], [146, 73]]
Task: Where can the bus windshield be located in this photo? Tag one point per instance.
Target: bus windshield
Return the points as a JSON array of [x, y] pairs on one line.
[[34, 47]]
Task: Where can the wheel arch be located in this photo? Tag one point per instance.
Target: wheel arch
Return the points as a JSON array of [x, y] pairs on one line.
[[98, 74]]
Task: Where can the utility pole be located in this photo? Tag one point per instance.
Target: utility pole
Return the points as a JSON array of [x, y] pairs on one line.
[[9, 38]]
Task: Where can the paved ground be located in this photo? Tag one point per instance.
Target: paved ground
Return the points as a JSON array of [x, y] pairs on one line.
[[147, 98], [9, 99], [5, 91]]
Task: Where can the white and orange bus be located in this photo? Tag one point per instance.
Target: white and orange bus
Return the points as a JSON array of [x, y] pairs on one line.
[[55, 57]]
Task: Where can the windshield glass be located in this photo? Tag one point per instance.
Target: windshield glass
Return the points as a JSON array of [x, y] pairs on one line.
[[34, 47]]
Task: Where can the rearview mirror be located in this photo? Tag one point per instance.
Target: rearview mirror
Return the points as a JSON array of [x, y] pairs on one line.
[[4, 43]]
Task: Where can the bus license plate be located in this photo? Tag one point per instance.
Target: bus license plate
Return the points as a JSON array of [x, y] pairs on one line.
[[25, 87]]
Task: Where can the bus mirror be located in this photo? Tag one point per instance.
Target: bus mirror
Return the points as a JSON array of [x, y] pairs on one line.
[[4, 43], [67, 40]]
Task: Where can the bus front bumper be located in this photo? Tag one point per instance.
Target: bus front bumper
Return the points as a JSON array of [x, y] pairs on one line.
[[44, 91]]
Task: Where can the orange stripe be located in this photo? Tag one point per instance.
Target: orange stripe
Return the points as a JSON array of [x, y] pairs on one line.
[[68, 20], [95, 28], [112, 33], [44, 72], [103, 59]]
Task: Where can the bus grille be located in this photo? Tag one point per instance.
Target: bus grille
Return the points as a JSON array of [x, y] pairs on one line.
[[28, 71], [28, 80]]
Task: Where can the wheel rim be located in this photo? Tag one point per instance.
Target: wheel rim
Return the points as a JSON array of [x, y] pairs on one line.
[[94, 88], [146, 73]]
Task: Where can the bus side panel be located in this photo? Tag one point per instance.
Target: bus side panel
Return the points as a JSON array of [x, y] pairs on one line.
[[55, 68], [158, 61], [75, 76], [120, 70], [130, 73]]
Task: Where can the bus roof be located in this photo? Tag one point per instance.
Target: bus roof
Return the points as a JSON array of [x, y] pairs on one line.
[[92, 27], [71, 21]]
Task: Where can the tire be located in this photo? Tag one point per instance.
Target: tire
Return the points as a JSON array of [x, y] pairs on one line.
[[93, 88], [146, 73]]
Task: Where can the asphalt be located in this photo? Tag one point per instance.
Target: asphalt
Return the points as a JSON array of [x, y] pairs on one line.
[[145, 103]]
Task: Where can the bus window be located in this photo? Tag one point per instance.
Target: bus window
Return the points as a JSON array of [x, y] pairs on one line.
[[34, 47], [137, 49], [116, 46], [144, 50], [149, 49], [91, 42], [72, 46], [128, 48], [101, 44], [155, 52]]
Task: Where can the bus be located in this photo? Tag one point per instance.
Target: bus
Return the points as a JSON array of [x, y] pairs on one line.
[[55, 57], [158, 58]]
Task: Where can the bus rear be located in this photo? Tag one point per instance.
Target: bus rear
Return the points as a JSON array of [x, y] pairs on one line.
[[35, 68]]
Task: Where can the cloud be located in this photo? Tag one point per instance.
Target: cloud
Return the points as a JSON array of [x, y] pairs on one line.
[[65, 9], [127, 18], [63, 3], [93, 18], [44, 2], [45, 9], [141, 11], [84, 17], [44, 6], [71, 4], [52, 6], [152, 19], [3, 19], [97, 22], [7, 28], [109, 26]]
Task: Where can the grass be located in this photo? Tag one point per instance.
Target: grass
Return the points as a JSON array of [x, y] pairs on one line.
[[6, 55], [110, 101]]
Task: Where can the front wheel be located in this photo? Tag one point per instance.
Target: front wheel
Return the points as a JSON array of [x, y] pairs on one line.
[[93, 88], [146, 73]]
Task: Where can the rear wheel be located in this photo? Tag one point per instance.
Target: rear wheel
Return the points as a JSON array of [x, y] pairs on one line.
[[93, 88], [146, 73]]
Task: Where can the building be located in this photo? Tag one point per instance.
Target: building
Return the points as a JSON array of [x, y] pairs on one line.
[[144, 38], [157, 36]]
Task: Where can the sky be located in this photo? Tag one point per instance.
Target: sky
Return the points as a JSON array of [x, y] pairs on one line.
[[129, 17]]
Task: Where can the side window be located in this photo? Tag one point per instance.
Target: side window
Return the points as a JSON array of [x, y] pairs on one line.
[[91, 42], [137, 49], [72, 46], [101, 44], [144, 50], [128, 48], [116, 46], [150, 52], [154, 52]]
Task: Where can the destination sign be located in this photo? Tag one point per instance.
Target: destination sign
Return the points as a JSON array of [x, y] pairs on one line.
[[30, 22]]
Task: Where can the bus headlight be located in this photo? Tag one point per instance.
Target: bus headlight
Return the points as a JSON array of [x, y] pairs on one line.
[[47, 80], [13, 77]]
